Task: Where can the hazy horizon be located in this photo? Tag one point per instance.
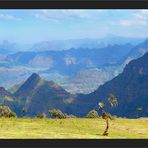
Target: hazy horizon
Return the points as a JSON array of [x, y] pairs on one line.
[[32, 26]]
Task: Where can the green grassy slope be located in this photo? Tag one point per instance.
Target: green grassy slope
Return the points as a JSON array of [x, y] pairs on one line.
[[72, 128]]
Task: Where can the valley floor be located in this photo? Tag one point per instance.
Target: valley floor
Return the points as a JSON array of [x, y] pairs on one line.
[[21, 128]]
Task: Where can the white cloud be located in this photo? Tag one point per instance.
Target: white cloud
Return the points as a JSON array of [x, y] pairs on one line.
[[133, 22], [139, 18], [58, 15], [8, 17]]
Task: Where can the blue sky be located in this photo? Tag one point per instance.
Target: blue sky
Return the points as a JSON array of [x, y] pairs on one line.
[[30, 26]]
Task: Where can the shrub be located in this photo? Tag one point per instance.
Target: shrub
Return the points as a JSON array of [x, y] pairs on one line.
[[40, 116], [56, 113], [5, 111], [12, 114], [92, 114]]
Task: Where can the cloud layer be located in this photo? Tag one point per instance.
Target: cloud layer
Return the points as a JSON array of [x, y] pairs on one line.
[[8, 17], [37, 25]]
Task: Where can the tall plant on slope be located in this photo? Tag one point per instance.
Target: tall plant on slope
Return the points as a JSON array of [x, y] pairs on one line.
[[113, 101]]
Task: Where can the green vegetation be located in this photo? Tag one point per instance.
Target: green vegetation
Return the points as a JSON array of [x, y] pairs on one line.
[[40, 116], [72, 128], [5, 111], [92, 114], [56, 113]]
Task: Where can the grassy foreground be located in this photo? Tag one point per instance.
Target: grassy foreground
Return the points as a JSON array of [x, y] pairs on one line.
[[21, 128]]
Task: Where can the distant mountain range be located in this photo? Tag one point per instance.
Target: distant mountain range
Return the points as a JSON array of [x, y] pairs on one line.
[[6, 47], [38, 95], [72, 60], [67, 66], [84, 43]]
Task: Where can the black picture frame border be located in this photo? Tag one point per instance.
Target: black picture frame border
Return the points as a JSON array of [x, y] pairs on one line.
[[74, 4], [74, 143]]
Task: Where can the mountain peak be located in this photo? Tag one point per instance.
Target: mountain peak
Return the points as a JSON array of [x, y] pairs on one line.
[[33, 79], [42, 95], [29, 84], [34, 76]]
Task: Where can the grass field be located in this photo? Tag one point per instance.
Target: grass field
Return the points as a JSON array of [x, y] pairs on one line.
[[21, 128]]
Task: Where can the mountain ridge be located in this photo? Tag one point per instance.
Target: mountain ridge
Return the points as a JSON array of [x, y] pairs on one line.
[[42, 95], [129, 86]]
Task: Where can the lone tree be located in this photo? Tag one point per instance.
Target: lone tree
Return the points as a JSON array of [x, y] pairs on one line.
[[113, 101]]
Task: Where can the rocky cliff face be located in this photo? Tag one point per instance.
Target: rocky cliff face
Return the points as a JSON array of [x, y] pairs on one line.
[[130, 87], [136, 52]]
